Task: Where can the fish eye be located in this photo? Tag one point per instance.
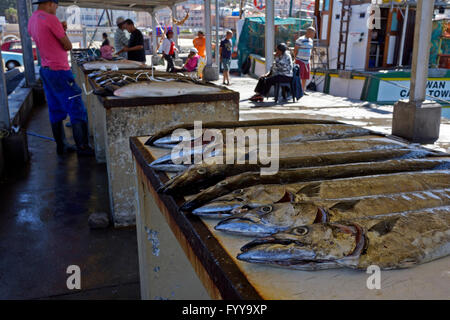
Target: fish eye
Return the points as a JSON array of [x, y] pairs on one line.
[[301, 231], [238, 191], [266, 209], [222, 183], [201, 171]]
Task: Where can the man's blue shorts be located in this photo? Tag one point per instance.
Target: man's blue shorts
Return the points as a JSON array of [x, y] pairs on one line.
[[226, 64], [59, 86]]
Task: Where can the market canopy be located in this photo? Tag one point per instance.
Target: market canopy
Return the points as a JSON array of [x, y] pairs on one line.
[[135, 5]]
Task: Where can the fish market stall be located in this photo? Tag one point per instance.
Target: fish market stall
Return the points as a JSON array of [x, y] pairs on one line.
[[90, 57], [373, 190], [140, 102]]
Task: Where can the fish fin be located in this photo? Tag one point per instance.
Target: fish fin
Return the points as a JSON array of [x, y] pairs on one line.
[[345, 205], [311, 189], [287, 197], [322, 216], [385, 226], [149, 142]]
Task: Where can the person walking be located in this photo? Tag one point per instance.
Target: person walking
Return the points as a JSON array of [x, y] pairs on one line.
[[226, 48], [168, 50], [200, 44], [120, 39], [135, 47], [302, 52], [62, 93], [280, 72]]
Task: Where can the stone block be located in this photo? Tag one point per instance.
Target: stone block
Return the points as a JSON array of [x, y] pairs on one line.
[[417, 122]]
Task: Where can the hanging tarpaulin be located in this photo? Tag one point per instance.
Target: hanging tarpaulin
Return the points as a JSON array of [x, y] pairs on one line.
[[259, 4]]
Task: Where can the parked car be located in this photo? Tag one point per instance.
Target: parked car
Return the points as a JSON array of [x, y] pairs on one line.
[[12, 59], [16, 46]]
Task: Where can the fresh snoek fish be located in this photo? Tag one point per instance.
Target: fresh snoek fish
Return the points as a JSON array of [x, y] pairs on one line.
[[248, 179], [163, 89], [287, 133], [120, 64], [201, 176], [285, 151], [389, 241], [262, 195], [272, 218], [235, 124]]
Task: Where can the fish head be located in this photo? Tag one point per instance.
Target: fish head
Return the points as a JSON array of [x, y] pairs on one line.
[[247, 198], [311, 247], [271, 218], [185, 154]]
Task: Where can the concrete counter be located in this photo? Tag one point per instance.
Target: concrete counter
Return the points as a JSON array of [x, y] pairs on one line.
[[181, 256], [115, 120]]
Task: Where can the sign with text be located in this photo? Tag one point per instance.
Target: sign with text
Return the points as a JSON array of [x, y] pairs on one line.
[[398, 90]]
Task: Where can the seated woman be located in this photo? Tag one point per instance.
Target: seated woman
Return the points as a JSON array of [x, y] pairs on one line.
[[191, 62], [281, 72], [106, 49]]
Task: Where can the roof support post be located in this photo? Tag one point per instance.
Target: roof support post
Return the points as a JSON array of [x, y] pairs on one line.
[[154, 32], [210, 73], [269, 33], [217, 36], [416, 120], [174, 26], [208, 32], [27, 48], [5, 122], [421, 50]]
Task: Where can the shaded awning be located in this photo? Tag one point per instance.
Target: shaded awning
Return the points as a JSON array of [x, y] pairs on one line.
[[134, 5]]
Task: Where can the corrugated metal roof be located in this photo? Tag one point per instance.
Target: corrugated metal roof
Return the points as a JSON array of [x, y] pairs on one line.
[[135, 5]]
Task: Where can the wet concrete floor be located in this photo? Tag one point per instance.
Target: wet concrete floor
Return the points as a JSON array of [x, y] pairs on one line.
[[44, 212]]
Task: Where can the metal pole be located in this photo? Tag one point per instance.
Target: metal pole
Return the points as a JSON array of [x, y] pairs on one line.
[[269, 33], [217, 35], [174, 26], [84, 37], [154, 33], [402, 44], [27, 48], [96, 29], [208, 33], [5, 122], [291, 5], [421, 51]]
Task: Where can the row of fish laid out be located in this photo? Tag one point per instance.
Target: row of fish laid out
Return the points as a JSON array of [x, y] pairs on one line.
[[145, 83], [298, 145], [343, 196], [392, 220], [117, 64], [216, 153]]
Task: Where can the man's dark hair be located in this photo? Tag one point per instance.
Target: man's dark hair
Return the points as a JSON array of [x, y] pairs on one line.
[[105, 35], [201, 32], [129, 21]]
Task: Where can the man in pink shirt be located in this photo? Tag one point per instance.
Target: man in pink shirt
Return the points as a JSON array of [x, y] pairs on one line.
[[62, 93]]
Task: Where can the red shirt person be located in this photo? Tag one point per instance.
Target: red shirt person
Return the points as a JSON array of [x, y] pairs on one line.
[[62, 93]]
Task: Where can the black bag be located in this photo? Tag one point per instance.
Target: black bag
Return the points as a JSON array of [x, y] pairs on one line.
[[246, 66]]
